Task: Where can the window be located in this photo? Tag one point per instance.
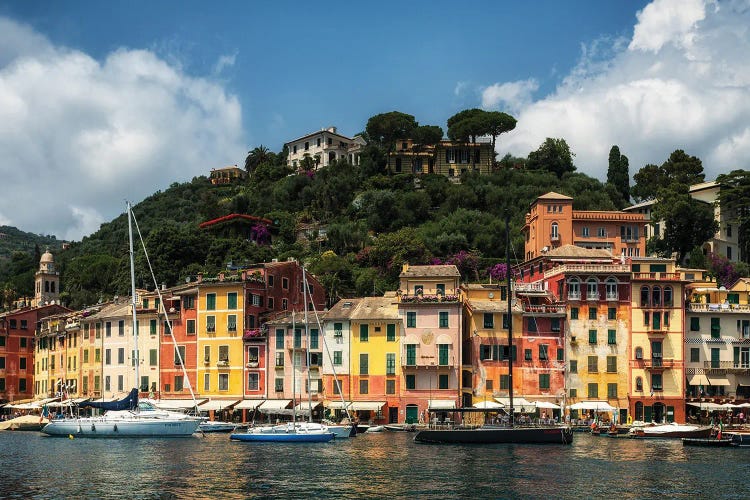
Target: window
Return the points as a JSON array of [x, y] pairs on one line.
[[98, 330], [585, 232], [611, 364], [593, 364], [232, 300], [232, 322], [543, 355], [592, 312], [554, 234], [504, 382], [442, 381], [612, 391], [211, 324], [179, 354], [443, 319], [279, 359], [592, 291], [337, 355], [152, 327], [593, 390], [364, 333], [121, 356], [223, 381], [190, 327], [153, 357], [611, 313], [715, 328], [206, 381], [363, 364], [278, 385], [592, 336], [253, 381], [364, 387], [531, 325], [224, 353], [573, 366], [638, 353], [639, 384], [314, 339], [86, 356], [611, 337], [210, 301], [489, 321], [390, 386], [573, 313], [646, 318], [285, 283], [656, 382], [390, 363], [601, 232], [443, 354], [279, 338], [411, 319], [715, 357], [573, 393], [107, 383], [695, 355], [97, 356], [544, 381], [555, 324], [411, 354], [120, 383], [108, 329], [574, 289], [390, 332], [527, 355], [338, 329], [560, 354], [411, 381], [668, 296], [188, 302]]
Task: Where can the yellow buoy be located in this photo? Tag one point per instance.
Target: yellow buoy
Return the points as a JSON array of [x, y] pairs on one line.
[[70, 436]]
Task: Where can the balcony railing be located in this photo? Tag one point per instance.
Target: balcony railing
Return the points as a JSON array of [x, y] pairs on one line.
[[593, 296], [588, 268], [544, 309], [574, 295], [657, 363], [726, 365], [718, 308], [428, 361], [428, 299], [613, 296], [296, 344], [657, 276]]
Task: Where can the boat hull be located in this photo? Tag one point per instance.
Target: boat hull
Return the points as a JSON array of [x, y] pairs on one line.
[[708, 442], [107, 428], [342, 431], [671, 432], [282, 437], [497, 435], [214, 426]]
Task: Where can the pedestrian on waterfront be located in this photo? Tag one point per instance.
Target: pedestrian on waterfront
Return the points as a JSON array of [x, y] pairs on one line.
[[741, 418]]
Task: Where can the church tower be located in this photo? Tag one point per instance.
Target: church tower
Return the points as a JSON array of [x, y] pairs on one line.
[[47, 281]]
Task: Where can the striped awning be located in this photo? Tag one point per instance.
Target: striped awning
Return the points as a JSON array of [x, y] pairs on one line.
[[218, 404], [248, 404], [698, 380], [366, 405], [274, 405], [337, 405], [441, 404]]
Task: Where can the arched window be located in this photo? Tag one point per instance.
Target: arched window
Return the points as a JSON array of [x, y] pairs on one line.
[[656, 296], [644, 296], [611, 289], [592, 289], [639, 353], [668, 296], [554, 234], [574, 289], [639, 384]]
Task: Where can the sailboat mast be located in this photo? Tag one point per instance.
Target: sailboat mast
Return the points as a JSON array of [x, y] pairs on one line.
[[307, 341], [510, 316], [136, 355]]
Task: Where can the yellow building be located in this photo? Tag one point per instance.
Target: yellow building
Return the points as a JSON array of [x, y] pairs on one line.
[[219, 329], [375, 359], [657, 370]]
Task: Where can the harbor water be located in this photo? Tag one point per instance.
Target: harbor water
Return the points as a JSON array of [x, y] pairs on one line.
[[368, 466]]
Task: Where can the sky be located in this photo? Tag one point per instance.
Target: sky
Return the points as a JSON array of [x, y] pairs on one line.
[[102, 102]]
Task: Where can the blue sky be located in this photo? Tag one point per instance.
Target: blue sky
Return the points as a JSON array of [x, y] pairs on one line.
[[128, 97]]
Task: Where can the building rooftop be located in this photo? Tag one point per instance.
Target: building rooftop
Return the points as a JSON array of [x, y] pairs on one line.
[[437, 271]]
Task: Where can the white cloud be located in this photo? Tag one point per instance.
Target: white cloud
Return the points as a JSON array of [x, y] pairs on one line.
[[511, 96], [225, 61], [78, 136], [682, 82]]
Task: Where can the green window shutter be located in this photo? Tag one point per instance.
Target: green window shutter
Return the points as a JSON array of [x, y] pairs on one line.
[[364, 333], [390, 331], [561, 354], [592, 336], [279, 338], [695, 324], [715, 328], [544, 381], [504, 382], [611, 337], [573, 313], [314, 338], [232, 300], [736, 357]]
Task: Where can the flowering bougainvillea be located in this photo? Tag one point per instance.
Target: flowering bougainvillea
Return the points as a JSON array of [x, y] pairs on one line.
[[722, 268]]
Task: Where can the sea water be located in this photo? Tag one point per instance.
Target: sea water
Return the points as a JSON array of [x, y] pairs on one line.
[[381, 465]]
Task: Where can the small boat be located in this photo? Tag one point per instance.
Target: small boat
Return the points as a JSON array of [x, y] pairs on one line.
[[216, 426], [400, 427], [741, 440], [672, 430], [341, 431], [375, 428], [24, 423], [292, 432], [708, 442]]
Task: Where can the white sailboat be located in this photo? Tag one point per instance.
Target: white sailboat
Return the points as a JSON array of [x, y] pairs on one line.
[[294, 431], [128, 417]]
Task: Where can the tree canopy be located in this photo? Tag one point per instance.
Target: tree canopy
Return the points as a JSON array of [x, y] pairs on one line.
[[553, 155]]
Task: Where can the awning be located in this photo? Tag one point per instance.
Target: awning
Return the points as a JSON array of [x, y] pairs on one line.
[[337, 405], [218, 404], [593, 405], [698, 380], [441, 404], [366, 405], [546, 405], [718, 381], [487, 405], [304, 408], [742, 380], [707, 406], [274, 405], [248, 404], [178, 404]]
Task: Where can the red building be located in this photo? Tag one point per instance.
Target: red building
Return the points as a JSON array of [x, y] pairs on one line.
[[17, 350], [181, 302]]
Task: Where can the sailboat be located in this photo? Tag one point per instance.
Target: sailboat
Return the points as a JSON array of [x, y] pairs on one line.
[[294, 431], [127, 417], [493, 433]]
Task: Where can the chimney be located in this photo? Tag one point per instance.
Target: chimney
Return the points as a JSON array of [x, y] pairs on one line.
[[221, 276], [200, 277], [405, 267]]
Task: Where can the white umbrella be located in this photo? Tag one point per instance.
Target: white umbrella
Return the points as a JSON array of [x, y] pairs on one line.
[[487, 405], [546, 404]]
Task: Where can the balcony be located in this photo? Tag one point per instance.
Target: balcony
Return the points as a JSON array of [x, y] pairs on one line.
[[718, 308], [657, 364], [652, 333], [613, 297], [588, 269], [222, 363], [427, 361], [210, 328], [428, 299], [729, 366], [594, 296], [574, 295], [547, 309], [296, 344], [657, 276]]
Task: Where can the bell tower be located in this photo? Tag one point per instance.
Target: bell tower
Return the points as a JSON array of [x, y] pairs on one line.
[[46, 281]]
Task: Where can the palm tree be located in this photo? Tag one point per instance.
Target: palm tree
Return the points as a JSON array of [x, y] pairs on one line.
[[256, 157]]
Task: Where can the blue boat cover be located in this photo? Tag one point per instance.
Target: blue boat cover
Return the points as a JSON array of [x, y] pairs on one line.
[[129, 403]]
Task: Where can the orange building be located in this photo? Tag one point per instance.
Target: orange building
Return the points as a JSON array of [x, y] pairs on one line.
[[552, 222]]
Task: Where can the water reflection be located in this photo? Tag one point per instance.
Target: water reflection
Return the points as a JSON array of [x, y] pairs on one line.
[[376, 465]]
